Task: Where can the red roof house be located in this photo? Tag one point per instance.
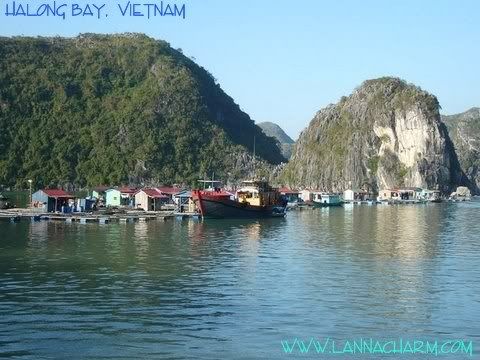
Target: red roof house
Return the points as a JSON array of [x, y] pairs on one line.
[[51, 200]]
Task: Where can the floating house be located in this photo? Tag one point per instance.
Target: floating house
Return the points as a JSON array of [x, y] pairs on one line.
[[387, 194], [350, 195], [326, 199], [169, 191], [184, 201], [401, 194], [306, 195], [289, 194], [120, 197], [99, 192], [318, 197], [52, 200], [150, 199], [431, 195], [411, 193], [85, 204]]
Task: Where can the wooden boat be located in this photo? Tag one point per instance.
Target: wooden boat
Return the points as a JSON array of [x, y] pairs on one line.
[[254, 200]]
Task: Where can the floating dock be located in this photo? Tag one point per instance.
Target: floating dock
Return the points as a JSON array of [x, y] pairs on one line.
[[14, 215]]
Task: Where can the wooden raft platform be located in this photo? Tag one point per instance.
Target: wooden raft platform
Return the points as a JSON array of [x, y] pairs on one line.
[[14, 215]]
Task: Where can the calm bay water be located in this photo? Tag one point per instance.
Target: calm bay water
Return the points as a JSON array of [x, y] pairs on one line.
[[236, 289]]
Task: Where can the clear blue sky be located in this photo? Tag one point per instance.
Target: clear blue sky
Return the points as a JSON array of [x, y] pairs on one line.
[[284, 60]]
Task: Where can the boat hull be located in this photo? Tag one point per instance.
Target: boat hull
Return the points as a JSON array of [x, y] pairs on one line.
[[213, 208]]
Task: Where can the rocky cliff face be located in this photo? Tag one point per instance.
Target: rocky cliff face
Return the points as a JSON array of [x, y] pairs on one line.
[[285, 142], [464, 130], [387, 133]]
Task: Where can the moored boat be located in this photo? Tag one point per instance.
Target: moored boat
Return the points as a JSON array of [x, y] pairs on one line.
[[255, 199]]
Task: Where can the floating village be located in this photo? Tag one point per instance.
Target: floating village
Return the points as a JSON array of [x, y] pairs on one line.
[[252, 199]]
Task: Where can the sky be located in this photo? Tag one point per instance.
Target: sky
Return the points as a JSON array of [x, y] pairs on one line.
[[282, 61]]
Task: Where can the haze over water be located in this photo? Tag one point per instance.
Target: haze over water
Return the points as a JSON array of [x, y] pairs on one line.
[[236, 289]]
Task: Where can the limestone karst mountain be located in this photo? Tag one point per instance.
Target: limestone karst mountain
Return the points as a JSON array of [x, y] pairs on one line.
[[387, 133]]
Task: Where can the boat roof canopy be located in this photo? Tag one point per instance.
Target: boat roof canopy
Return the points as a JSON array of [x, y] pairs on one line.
[[210, 181], [247, 189]]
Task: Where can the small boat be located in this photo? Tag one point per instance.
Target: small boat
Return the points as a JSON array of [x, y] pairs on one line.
[[255, 199], [321, 199]]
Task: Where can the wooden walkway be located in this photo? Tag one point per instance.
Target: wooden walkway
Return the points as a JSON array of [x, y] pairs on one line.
[[14, 215]]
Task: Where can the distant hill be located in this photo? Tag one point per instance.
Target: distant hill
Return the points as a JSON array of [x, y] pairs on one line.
[[275, 131], [464, 129], [112, 109]]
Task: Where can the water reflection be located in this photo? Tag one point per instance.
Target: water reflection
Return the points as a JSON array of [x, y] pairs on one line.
[[224, 288], [141, 240]]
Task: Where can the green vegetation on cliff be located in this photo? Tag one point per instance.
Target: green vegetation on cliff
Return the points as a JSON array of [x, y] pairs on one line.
[[101, 109]]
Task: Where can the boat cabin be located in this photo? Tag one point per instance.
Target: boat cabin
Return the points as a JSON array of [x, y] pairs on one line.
[[210, 185], [257, 193]]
